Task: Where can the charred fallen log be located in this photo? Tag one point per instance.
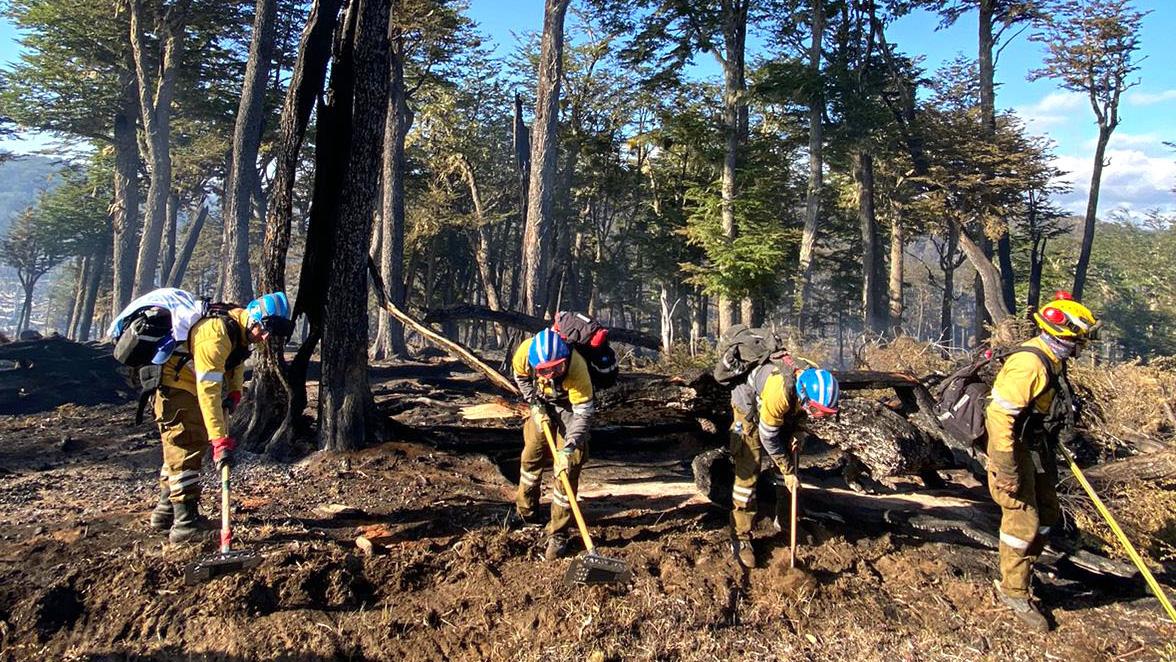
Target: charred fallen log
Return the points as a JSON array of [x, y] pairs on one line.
[[529, 323], [39, 375]]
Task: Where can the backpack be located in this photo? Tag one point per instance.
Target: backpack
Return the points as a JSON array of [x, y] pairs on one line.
[[961, 398], [590, 339], [146, 330], [741, 349]]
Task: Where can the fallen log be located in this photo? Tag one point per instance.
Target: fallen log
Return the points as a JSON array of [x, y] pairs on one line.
[[458, 350], [530, 323], [1146, 467]]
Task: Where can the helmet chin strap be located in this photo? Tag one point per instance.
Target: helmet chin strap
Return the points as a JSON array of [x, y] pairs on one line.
[[1063, 349]]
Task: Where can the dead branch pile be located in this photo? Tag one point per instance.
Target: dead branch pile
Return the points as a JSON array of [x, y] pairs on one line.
[[1127, 404], [39, 375]]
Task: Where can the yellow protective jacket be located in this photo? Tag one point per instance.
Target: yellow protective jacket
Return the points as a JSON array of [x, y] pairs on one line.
[[1023, 381], [771, 395], [199, 367], [571, 392]]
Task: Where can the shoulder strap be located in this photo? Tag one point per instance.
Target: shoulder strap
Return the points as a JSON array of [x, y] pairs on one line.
[[1046, 362]]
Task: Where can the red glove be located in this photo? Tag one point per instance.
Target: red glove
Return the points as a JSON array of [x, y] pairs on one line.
[[231, 401], [222, 451]]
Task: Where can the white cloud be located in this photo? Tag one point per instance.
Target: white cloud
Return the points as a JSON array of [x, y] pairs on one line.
[[1151, 143], [1052, 110], [1134, 181], [1150, 98]]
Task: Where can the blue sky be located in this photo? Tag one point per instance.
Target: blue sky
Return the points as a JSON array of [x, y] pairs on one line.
[[1142, 171]]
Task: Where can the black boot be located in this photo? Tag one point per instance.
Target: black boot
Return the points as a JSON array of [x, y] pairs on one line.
[[187, 525], [163, 515], [557, 547]]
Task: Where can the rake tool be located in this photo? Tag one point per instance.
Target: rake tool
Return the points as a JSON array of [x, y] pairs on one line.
[[590, 567], [226, 561], [1127, 546]]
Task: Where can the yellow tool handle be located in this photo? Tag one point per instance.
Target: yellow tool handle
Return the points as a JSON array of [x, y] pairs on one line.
[[1130, 549], [571, 494], [795, 507]]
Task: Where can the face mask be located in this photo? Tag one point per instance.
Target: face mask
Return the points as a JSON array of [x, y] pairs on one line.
[[1063, 349]]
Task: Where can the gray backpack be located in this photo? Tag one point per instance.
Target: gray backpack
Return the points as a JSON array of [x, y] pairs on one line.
[[742, 348], [961, 398]]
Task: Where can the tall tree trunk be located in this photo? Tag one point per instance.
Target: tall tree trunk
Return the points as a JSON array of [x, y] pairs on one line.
[[346, 407], [812, 212], [276, 409], [98, 262], [125, 208], [481, 241], [168, 256], [947, 261], [987, 65], [156, 90], [897, 264], [734, 109], [396, 126], [1036, 262], [81, 267], [176, 276], [522, 151], [1100, 152], [863, 175], [242, 177], [540, 219]]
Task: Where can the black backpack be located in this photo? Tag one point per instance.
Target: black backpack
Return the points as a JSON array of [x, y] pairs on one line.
[[590, 339], [741, 349], [961, 398], [143, 333]]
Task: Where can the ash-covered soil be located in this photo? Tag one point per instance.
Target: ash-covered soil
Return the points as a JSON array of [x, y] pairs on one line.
[[82, 576]]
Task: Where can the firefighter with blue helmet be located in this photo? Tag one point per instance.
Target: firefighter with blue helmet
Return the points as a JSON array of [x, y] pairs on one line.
[[768, 408], [554, 381]]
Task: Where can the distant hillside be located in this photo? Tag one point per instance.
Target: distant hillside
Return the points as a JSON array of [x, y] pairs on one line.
[[21, 179]]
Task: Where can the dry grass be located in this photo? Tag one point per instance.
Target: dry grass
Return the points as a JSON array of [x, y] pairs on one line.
[[1146, 511], [906, 354], [1127, 402]]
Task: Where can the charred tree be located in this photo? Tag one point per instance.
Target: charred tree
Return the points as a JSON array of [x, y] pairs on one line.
[[279, 397], [346, 407], [812, 213]]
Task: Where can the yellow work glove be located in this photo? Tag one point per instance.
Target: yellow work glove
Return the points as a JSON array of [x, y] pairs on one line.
[[1002, 473]]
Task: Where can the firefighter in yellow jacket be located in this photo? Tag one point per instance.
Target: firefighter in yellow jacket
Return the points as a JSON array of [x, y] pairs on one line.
[[200, 386], [1022, 469], [553, 379], [768, 408]]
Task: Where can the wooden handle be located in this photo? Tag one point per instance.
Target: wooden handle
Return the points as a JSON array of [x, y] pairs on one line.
[[795, 507], [570, 493]]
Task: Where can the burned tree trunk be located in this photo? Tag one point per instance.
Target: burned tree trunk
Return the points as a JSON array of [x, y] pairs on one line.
[[346, 408], [390, 332], [176, 275], [125, 207]]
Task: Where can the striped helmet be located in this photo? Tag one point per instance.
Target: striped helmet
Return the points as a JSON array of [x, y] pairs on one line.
[[547, 349], [818, 390], [272, 312]]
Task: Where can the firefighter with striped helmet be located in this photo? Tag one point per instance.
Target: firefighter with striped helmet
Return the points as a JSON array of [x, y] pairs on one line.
[[554, 380], [768, 409], [1022, 427]]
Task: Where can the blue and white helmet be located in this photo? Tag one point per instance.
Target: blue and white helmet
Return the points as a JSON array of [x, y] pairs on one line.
[[818, 390], [547, 349], [272, 312]]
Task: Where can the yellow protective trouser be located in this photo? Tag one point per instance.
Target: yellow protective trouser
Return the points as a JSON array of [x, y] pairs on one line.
[[185, 441], [1026, 517], [747, 455], [536, 456]]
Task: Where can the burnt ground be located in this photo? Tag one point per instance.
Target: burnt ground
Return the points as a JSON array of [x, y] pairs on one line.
[[83, 577]]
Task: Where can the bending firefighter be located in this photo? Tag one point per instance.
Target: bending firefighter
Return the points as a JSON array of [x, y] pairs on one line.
[[199, 387], [1022, 438], [768, 408], [553, 379]]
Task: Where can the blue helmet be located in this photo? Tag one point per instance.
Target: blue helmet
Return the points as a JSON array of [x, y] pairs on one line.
[[547, 349], [272, 312], [818, 390]]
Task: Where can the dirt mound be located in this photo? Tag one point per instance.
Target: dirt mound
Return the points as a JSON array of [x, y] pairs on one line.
[[39, 375]]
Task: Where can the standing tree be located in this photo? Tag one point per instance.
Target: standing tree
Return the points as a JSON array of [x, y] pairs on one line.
[[156, 75], [346, 408], [540, 221], [1091, 47], [236, 279]]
